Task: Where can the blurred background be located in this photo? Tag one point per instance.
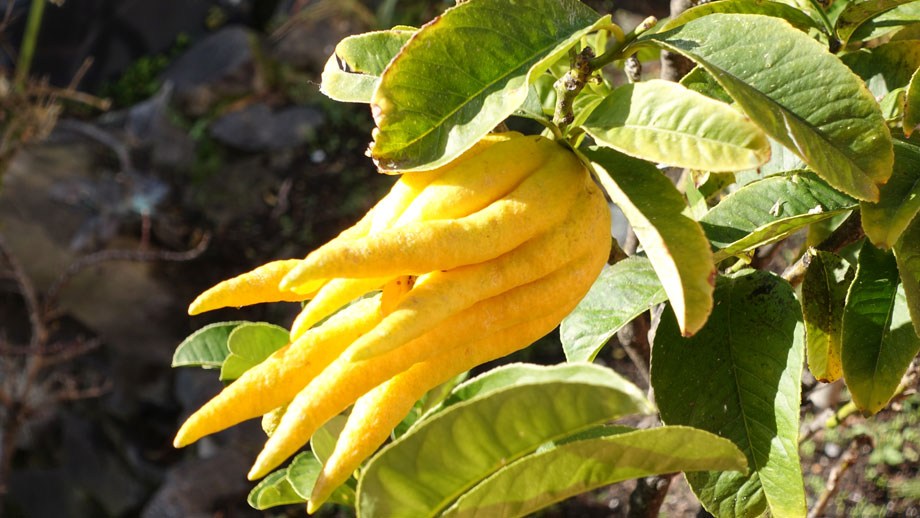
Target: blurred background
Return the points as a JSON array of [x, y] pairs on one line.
[[150, 149]]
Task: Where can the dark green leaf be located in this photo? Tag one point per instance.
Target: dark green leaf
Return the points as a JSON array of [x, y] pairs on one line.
[[740, 377], [621, 293], [773, 71], [699, 80], [422, 472], [465, 72], [768, 210], [824, 293], [899, 199], [611, 455], [907, 253], [674, 243], [887, 66], [273, 490], [353, 70], [860, 12], [249, 344], [879, 341], [665, 122], [206, 347]]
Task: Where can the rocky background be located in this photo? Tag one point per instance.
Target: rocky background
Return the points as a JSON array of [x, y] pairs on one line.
[[218, 153]]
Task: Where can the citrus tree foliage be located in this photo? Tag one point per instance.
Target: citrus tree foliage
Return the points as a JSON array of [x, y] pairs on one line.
[[791, 94]]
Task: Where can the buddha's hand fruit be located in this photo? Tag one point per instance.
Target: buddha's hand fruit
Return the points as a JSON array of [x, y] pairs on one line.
[[476, 259]]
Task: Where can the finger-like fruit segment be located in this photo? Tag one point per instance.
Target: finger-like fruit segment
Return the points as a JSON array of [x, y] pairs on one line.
[[346, 379], [538, 203], [254, 287], [282, 375], [333, 295], [376, 413], [442, 293]]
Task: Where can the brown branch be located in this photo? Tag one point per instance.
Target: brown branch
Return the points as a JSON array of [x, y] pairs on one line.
[[121, 255], [27, 289], [833, 481], [71, 394]]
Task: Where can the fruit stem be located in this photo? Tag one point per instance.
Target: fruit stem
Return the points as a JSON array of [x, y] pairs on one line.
[[616, 51]]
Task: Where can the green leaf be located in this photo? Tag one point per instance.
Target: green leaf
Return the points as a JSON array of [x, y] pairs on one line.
[[824, 292], [273, 490], [787, 12], [773, 72], [912, 104], [206, 347], [541, 99], [508, 415], [768, 210], [674, 243], [860, 12], [465, 72], [903, 15], [740, 378], [323, 441], [353, 71], [907, 253], [249, 344], [879, 341], [621, 293], [667, 123], [302, 474], [892, 105], [699, 80], [886, 67], [899, 199], [616, 453]]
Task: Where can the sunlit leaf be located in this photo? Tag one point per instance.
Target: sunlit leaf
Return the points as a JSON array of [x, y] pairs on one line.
[[664, 122], [887, 22], [824, 293], [249, 344], [879, 340], [466, 440], [740, 377], [768, 210], [273, 490], [608, 455], [206, 347], [899, 199], [465, 72], [773, 71], [674, 243], [354, 69], [787, 12], [323, 441], [302, 474], [620, 294]]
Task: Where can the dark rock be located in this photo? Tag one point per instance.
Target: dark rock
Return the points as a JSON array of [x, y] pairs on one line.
[[221, 65], [308, 44], [257, 128]]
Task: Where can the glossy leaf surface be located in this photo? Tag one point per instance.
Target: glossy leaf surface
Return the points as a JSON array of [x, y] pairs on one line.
[[773, 71], [664, 122], [767, 210], [740, 377], [608, 455], [466, 440], [879, 340], [621, 293], [858, 13], [465, 72], [206, 347]]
